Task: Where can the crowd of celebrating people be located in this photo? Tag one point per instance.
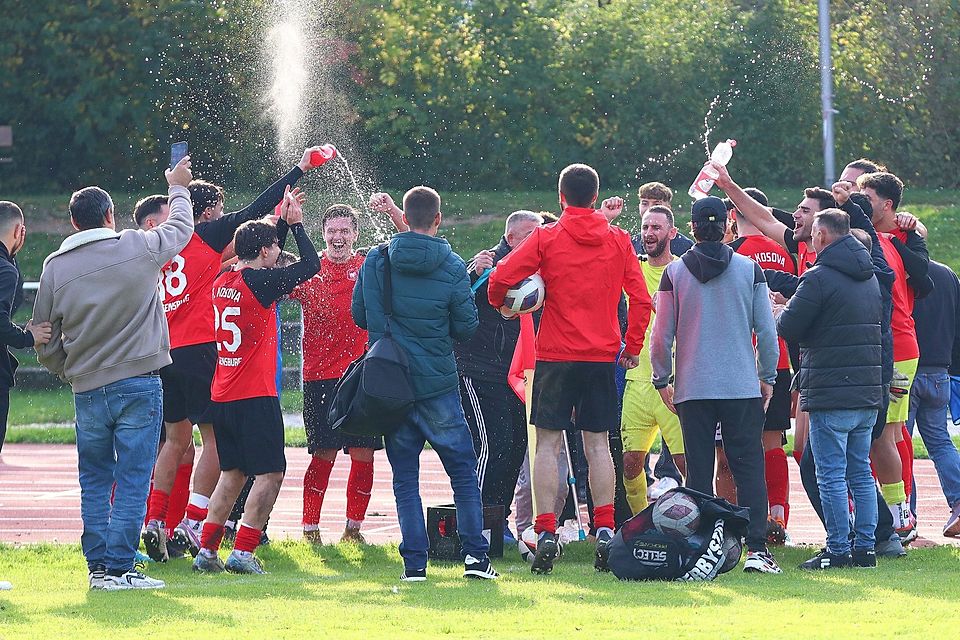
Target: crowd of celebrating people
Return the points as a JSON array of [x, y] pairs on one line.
[[831, 320]]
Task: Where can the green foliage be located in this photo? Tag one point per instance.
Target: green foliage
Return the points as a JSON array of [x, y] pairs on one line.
[[494, 94]]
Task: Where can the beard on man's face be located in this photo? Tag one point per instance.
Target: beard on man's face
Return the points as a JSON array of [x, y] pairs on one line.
[[658, 249]]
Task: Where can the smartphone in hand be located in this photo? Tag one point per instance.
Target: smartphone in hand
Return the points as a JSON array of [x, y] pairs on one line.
[[177, 151]]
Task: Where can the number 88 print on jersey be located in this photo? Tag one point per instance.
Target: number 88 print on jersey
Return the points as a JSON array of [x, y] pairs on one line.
[[185, 285], [246, 336]]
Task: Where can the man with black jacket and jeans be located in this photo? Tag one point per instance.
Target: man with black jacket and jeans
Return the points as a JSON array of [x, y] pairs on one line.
[[835, 316], [12, 236], [937, 318], [710, 304], [496, 416]]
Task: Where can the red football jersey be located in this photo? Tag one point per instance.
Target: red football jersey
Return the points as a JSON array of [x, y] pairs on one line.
[[185, 286], [246, 335], [805, 257], [331, 341], [769, 255], [904, 332]]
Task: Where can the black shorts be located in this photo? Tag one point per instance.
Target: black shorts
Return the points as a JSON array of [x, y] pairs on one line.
[[317, 396], [186, 383], [778, 412], [590, 388], [249, 435]]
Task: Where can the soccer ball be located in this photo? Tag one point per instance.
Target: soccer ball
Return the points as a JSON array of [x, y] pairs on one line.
[[676, 514], [524, 297], [527, 545]]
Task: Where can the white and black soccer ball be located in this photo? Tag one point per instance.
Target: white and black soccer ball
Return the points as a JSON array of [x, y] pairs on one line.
[[524, 297], [676, 514], [527, 545]]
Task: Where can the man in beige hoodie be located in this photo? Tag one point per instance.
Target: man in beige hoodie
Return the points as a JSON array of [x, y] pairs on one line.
[[100, 293]]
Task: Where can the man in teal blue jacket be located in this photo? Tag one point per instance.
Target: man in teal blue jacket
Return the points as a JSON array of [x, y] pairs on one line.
[[432, 307]]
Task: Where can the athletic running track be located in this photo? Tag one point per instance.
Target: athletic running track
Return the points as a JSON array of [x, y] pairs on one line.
[[40, 498]]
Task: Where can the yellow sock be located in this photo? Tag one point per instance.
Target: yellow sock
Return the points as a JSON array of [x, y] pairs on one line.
[[636, 492], [893, 493]]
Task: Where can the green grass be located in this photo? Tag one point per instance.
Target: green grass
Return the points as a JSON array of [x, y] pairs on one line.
[[347, 591]]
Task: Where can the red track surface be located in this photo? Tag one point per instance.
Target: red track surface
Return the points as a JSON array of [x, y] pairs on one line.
[[40, 498]]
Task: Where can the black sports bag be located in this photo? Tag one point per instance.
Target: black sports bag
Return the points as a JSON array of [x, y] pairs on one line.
[[374, 394]]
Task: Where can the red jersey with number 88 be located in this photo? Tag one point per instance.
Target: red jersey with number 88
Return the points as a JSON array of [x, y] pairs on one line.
[[185, 285], [246, 336]]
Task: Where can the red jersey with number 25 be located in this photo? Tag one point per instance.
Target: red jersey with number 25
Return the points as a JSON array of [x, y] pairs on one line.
[[246, 335], [185, 285]]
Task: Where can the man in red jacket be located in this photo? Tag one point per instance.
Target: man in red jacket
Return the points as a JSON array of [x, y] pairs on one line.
[[585, 264]]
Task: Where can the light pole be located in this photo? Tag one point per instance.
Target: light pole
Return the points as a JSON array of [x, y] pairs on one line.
[[826, 92]]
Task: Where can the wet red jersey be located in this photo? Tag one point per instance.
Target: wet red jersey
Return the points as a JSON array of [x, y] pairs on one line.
[[769, 254], [185, 286], [246, 336], [901, 323]]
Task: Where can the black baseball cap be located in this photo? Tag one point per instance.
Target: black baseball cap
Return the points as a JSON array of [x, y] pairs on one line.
[[709, 209]]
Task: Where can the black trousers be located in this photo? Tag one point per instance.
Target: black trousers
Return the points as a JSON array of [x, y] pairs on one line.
[[741, 423], [808, 476], [4, 410], [498, 424]]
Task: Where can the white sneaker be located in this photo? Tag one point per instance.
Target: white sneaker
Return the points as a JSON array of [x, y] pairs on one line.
[[131, 580], [661, 486], [760, 562], [96, 578]]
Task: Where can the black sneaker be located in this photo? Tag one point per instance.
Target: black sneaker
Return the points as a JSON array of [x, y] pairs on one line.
[[827, 560], [865, 558], [603, 553], [414, 575], [480, 569], [176, 546], [546, 553]]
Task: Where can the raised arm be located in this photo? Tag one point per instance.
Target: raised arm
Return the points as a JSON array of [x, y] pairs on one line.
[[758, 215], [169, 238]]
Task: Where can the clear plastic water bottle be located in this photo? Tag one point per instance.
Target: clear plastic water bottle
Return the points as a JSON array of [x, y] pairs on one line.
[[721, 155]]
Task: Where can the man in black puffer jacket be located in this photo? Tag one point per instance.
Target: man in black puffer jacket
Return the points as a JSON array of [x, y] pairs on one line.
[[835, 317], [496, 416]]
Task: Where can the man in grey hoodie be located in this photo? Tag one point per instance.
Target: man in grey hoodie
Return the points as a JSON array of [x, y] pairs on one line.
[[712, 302], [100, 293]]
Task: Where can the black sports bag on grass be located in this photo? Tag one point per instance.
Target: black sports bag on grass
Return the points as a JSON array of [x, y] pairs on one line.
[[374, 394]]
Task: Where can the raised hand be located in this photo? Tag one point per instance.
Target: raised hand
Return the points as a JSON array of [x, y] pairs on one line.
[[611, 208], [180, 175]]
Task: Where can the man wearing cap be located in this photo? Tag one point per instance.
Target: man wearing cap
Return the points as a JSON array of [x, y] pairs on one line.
[[710, 304]]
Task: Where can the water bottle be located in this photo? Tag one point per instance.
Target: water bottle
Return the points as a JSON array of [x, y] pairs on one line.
[[721, 155], [326, 152]]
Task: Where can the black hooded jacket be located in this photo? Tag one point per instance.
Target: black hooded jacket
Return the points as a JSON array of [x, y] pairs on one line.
[[835, 317], [487, 355]]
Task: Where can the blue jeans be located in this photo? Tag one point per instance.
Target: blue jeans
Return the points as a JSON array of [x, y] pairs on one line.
[[440, 422], [840, 443], [118, 430], [929, 397]]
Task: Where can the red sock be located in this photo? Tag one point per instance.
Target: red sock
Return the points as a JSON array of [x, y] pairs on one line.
[[545, 522], [247, 539], [157, 505], [359, 487], [315, 482], [211, 536], [905, 448], [778, 478], [146, 514], [179, 495], [198, 514], [603, 516]]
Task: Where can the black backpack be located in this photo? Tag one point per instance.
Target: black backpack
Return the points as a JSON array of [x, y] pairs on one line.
[[639, 551], [374, 394]]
